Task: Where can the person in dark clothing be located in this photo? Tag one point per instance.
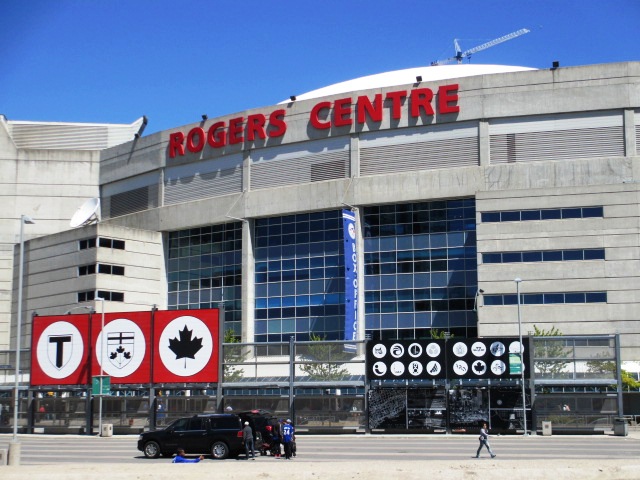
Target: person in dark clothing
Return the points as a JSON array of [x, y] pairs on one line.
[[180, 458], [288, 433], [484, 441], [247, 439]]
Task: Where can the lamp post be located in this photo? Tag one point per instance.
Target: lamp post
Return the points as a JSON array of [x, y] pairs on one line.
[[521, 349], [101, 368], [24, 219]]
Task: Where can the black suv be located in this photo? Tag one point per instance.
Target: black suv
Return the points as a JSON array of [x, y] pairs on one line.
[[219, 435]]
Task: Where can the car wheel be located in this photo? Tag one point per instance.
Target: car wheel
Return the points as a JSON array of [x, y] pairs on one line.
[[219, 450], [151, 450]]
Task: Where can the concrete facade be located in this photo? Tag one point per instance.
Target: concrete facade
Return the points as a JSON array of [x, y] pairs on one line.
[[521, 141], [47, 170]]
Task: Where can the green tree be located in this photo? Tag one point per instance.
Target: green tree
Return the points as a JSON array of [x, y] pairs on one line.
[[233, 353], [440, 334], [549, 354], [629, 383], [325, 359]]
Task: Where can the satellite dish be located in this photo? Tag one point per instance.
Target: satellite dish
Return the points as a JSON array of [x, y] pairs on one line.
[[86, 214]]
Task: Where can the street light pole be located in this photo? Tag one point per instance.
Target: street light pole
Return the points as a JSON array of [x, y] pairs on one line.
[[23, 220], [521, 351], [102, 342]]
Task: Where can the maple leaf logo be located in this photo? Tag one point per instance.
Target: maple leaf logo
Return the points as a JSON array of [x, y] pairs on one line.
[[186, 347]]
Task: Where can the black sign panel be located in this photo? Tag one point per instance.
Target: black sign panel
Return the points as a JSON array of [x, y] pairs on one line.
[[479, 358], [410, 359], [465, 358]]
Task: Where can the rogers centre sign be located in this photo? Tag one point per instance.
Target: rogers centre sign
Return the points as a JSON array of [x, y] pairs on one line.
[[323, 115]]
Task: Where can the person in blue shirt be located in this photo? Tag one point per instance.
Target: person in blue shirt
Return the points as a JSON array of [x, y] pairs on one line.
[[288, 436], [180, 458]]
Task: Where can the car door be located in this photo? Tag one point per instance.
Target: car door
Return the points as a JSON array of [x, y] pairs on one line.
[[175, 435], [195, 437]]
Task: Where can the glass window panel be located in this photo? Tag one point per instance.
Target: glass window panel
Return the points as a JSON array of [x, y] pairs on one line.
[[596, 297], [577, 297], [508, 216], [550, 298], [489, 217], [491, 258], [590, 212], [571, 213], [531, 256], [527, 215], [552, 256], [595, 254], [512, 257], [569, 255], [550, 214]]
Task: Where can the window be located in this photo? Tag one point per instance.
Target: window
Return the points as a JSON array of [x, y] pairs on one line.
[[544, 256], [546, 298], [110, 269], [86, 270], [87, 243], [546, 214], [111, 243], [86, 296], [111, 296]]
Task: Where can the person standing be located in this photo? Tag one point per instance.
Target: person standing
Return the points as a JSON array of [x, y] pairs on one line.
[[484, 441], [287, 438], [247, 439]]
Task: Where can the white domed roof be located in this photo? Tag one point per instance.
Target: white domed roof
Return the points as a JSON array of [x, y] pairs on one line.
[[403, 77]]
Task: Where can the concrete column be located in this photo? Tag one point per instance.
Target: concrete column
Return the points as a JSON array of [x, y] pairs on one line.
[[630, 146], [248, 284], [15, 449], [483, 143]]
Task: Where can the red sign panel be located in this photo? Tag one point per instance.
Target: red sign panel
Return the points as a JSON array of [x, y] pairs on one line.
[[186, 347], [123, 347], [60, 350], [134, 347]]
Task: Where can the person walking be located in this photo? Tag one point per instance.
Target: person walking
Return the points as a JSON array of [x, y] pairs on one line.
[[484, 441], [247, 439], [288, 433], [180, 458]]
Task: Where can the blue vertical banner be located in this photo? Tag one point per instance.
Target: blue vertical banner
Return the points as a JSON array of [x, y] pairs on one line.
[[350, 278]]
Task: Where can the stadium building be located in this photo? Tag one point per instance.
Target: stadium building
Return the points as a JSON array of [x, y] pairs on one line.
[[460, 180]]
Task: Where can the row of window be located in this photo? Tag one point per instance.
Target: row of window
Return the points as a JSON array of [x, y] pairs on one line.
[[544, 256], [546, 298], [103, 242], [422, 241], [542, 214], [100, 268], [90, 295]]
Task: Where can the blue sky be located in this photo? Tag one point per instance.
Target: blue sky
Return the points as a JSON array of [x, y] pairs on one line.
[[112, 61]]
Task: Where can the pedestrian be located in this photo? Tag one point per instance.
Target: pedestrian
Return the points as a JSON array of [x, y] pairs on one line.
[[288, 433], [247, 439], [275, 440], [180, 458], [484, 441]]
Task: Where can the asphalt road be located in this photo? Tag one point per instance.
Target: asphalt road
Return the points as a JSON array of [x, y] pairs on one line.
[[72, 449]]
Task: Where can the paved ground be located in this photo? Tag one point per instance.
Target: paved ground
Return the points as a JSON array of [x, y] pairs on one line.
[[359, 457]]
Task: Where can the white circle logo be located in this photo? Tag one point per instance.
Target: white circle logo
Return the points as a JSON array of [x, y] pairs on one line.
[[396, 350], [60, 349], [433, 350], [497, 349], [185, 346], [460, 367], [478, 349], [379, 368], [433, 368], [498, 367], [120, 348], [397, 368], [415, 368], [379, 350], [479, 367], [415, 350], [460, 349], [514, 347]]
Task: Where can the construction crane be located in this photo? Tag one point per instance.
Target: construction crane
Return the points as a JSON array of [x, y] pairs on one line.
[[460, 55]]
